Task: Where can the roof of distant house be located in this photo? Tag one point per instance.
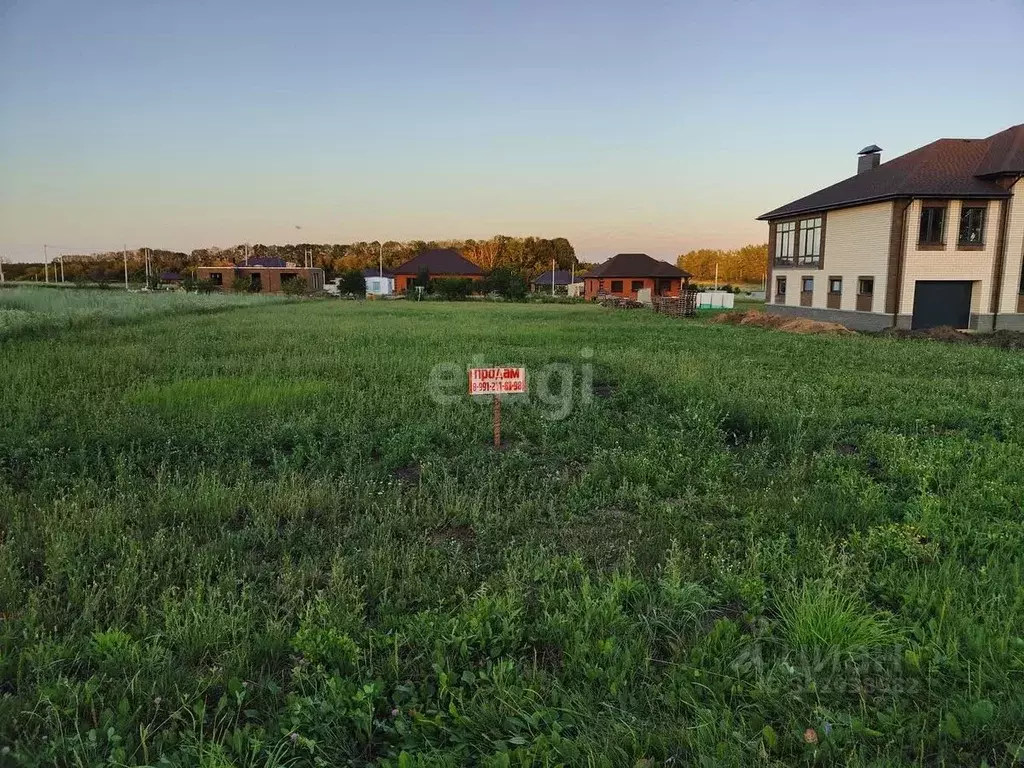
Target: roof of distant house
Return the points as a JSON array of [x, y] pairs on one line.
[[265, 261], [170, 277], [439, 261], [561, 277], [636, 265], [961, 168], [375, 272]]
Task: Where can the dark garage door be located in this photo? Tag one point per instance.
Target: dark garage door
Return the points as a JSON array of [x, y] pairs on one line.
[[941, 302]]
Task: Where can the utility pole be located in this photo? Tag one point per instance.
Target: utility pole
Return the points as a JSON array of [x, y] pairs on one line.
[[552, 277], [2, 278], [46, 262], [61, 257], [125, 254]]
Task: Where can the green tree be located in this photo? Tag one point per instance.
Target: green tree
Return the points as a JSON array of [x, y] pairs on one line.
[[352, 282], [506, 282]]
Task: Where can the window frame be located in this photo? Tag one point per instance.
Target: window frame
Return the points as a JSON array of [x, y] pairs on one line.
[[803, 284], [815, 232], [831, 284], [217, 278], [636, 285], [785, 234], [963, 245], [613, 289], [933, 245], [860, 286], [780, 281]]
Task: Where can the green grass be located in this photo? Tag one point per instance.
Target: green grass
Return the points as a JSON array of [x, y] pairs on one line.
[[250, 538], [29, 308]]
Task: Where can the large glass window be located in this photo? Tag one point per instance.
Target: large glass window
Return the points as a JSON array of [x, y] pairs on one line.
[[785, 242], [972, 225], [933, 225], [810, 241]]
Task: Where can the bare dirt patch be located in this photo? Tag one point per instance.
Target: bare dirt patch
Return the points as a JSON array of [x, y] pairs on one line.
[[999, 339], [800, 325], [407, 475], [453, 534]]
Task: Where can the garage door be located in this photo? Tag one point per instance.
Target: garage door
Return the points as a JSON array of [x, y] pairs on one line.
[[941, 302]]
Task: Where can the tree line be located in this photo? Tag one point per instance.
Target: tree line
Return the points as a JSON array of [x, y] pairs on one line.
[[526, 256], [743, 265]]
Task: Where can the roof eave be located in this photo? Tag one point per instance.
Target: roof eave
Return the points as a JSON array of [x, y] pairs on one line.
[[778, 213]]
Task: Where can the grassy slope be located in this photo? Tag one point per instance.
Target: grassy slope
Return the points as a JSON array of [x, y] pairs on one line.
[[214, 538]]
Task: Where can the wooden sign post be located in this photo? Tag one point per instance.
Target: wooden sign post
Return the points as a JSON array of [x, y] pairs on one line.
[[497, 382]]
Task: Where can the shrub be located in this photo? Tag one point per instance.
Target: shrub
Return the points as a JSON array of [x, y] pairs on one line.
[[241, 284], [293, 286], [451, 288]]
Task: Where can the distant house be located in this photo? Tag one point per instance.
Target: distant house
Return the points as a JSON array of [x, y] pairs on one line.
[[438, 262], [170, 277], [563, 280], [933, 237], [379, 283], [264, 275], [626, 274]]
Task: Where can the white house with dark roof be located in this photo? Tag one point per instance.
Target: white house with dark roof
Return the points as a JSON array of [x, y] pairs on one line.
[[933, 237]]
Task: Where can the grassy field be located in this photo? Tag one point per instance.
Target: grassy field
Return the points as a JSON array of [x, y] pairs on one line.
[[257, 537], [29, 308]]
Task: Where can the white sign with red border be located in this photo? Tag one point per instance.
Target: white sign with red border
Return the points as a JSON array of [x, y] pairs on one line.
[[497, 381]]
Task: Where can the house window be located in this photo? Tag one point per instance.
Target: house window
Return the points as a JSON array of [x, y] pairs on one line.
[[638, 285], [808, 285], [217, 278], [780, 286], [616, 286], [810, 241], [972, 225], [933, 225], [866, 286], [785, 242], [835, 285]]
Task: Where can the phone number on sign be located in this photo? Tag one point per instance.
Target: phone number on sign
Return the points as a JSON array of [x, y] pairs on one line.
[[497, 387]]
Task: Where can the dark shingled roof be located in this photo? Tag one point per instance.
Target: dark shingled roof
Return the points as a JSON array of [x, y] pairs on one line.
[[439, 261], [562, 277], [375, 272], [170, 277], [265, 261], [944, 168], [635, 265]]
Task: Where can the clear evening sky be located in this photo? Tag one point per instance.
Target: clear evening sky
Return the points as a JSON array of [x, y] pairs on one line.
[[623, 126]]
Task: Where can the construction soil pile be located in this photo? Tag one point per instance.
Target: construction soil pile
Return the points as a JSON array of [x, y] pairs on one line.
[[1000, 339], [782, 323]]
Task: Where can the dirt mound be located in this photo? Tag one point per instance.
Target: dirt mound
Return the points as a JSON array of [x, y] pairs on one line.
[[1000, 339], [801, 325]]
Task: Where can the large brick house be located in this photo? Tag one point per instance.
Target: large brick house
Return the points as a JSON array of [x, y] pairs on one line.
[[437, 262], [625, 274], [263, 275], [933, 237]]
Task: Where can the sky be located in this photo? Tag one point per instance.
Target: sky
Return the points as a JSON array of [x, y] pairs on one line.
[[623, 126]]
